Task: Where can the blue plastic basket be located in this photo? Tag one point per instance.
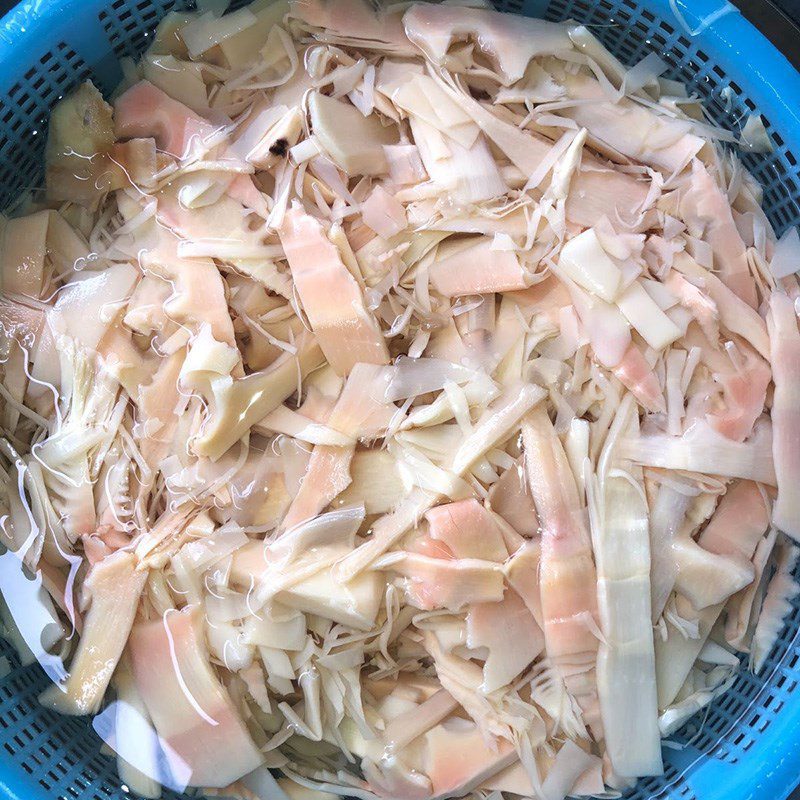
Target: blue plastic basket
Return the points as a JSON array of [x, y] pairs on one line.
[[749, 744]]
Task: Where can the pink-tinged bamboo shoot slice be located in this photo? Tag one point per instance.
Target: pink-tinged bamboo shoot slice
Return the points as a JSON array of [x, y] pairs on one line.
[[509, 497], [347, 332], [734, 313], [744, 392], [468, 530], [428, 546], [785, 357], [607, 330], [404, 164], [511, 635], [114, 585], [145, 111], [383, 213], [707, 212], [477, 269], [389, 777], [24, 246], [457, 758], [217, 229], [145, 310], [702, 307], [327, 476], [513, 779], [598, 192], [444, 583], [567, 575], [190, 708], [637, 376], [198, 293]]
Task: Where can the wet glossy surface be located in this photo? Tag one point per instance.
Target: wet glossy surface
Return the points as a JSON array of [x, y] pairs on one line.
[[55, 667]]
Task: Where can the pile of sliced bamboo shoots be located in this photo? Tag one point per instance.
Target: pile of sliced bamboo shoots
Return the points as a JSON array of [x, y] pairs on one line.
[[405, 400]]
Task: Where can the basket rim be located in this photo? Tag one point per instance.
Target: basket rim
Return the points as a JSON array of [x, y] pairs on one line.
[[772, 766]]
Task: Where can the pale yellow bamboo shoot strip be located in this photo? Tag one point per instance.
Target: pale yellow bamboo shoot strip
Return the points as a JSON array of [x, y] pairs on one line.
[[707, 578], [136, 743], [676, 654], [702, 449], [739, 610], [736, 528], [405, 728], [626, 675], [785, 356], [115, 585], [666, 518], [239, 403], [497, 423]]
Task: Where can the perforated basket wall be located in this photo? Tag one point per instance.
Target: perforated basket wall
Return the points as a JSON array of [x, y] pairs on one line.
[[748, 745]]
